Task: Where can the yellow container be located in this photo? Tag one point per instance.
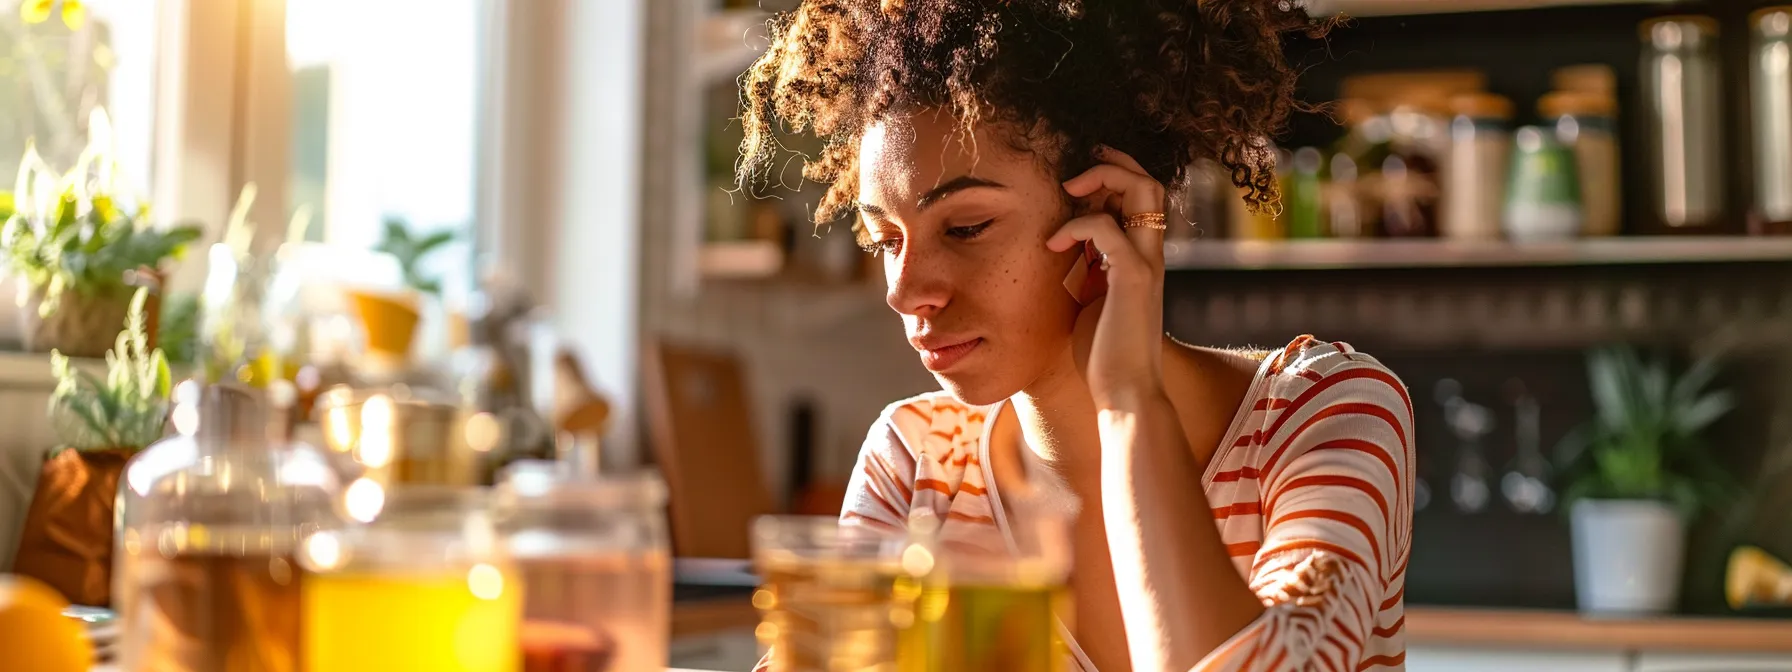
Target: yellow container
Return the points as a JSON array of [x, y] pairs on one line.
[[390, 320], [423, 585], [380, 622]]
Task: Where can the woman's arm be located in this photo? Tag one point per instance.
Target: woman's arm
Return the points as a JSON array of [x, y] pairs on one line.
[[1333, 473], [1180, 595], [1334, 487]]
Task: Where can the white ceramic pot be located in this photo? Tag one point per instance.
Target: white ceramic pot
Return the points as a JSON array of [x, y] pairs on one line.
[[1627, 556]]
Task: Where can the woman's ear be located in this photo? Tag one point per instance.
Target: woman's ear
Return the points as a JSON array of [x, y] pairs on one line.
[[1086, 281]]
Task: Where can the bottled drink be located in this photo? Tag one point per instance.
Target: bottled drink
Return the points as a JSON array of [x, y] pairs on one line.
[[209, 518]]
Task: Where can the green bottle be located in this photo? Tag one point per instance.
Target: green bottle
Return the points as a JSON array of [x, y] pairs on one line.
[[1306, 217]]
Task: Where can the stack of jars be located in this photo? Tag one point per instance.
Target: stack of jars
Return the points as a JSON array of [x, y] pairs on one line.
[[241, 549]]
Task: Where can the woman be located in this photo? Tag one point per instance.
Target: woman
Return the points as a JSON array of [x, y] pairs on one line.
[[1233, 510]]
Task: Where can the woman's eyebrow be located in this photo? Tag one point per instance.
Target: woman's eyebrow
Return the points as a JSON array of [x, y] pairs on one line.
[[935, 195], [953, 186]]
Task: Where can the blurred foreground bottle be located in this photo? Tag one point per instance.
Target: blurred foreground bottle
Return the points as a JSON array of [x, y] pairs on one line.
[[209, 518]]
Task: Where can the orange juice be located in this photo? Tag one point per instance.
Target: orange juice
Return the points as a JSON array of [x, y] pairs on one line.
[[390, 621]]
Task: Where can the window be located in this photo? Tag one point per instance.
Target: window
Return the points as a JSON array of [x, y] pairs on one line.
[[384, 121], [52, 75]]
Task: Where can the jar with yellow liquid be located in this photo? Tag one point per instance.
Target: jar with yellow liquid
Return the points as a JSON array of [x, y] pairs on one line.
[[425, 585]]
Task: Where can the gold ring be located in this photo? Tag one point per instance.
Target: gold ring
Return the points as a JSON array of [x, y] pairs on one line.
[[1149, 220]]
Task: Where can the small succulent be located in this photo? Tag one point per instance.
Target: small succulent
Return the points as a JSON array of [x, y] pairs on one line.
[[126, 410], [1644, 440]]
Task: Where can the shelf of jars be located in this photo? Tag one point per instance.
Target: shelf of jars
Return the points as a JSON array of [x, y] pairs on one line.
[[1443, 253], [1408, 7]]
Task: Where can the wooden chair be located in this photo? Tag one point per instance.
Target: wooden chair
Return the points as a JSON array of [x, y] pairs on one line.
[[700, 421]]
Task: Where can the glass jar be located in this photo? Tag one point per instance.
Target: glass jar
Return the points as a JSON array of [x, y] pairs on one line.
[[831, 596], [596, 568], [426, 585], [208, 522], [1480, 143], [1770, 97], [1543, 194], [1410, 184], [401, 435], [982, 609], [1586, 122], [1682, 104]]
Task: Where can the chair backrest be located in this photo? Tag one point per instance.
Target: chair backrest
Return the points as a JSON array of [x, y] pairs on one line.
[[701, 424]]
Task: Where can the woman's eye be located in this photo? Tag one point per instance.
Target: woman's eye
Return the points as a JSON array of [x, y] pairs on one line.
[[888, 245], [968, 232]]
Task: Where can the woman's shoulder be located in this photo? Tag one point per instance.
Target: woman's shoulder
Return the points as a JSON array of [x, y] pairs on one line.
[[1309, 363], [1312, 378], [932, 419]]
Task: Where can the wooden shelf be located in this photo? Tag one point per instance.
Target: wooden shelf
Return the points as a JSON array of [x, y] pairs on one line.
[[1340, 254], [1539, 629], [1409, 7]]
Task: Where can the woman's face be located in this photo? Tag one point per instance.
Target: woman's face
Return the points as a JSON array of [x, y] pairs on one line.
[[961, 221]]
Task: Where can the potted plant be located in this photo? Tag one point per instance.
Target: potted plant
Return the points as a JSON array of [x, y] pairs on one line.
[[1638, 471], [78, 245], [390, 319], [102, 423]]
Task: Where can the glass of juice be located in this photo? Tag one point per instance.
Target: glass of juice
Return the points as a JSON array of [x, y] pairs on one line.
[[969, 608], [594, 559], [827, 595], [425, 585]]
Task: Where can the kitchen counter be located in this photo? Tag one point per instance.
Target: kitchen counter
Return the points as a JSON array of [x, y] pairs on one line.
[[1541, 629]]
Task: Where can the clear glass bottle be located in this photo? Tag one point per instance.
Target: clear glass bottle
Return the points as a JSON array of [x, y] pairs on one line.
[[208, 521], [1682, 94], [596, 568], [425, 584]]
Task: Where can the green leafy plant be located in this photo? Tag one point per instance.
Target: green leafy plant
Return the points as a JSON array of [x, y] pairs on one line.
[[76, 232], [1644, 439], [125, 410], [177, 333], [410, 251]]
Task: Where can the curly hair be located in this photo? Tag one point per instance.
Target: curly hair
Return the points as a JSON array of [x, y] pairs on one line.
[[1167, 81]]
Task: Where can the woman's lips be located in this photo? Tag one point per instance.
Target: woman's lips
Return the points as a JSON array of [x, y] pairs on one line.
[[940, 359]]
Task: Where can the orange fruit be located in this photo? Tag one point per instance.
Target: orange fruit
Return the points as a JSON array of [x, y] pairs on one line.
[[34, 633]]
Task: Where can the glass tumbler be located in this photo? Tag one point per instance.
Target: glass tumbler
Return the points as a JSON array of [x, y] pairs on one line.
[[828, 594], [595, 564], [980, 606]]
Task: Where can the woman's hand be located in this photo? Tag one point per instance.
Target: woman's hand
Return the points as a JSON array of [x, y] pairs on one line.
[[1124, 362]]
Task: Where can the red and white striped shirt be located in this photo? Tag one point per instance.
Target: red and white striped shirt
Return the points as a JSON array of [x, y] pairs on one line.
[[1311, 489]]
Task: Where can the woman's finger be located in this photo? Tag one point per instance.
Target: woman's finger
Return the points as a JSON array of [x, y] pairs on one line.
[[1101, 230], [1138, 192], [1115, 156]]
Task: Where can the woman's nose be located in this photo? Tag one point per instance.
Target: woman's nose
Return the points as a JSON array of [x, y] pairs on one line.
[[918, 282]]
